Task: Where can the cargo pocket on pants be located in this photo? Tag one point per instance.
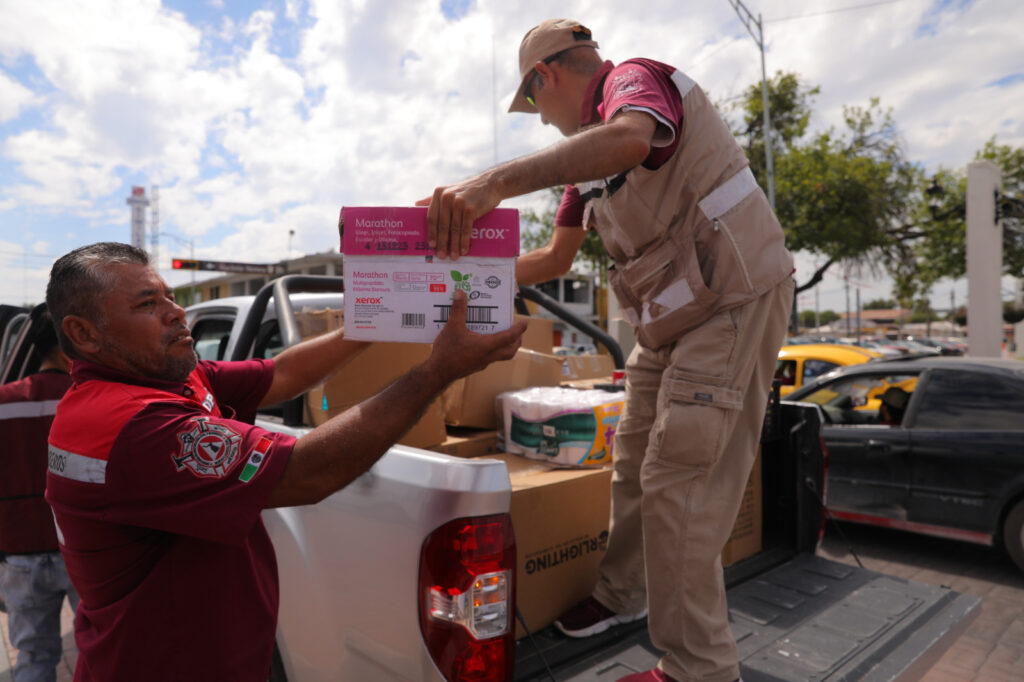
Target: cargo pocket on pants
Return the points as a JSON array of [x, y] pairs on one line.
[[695, 423]]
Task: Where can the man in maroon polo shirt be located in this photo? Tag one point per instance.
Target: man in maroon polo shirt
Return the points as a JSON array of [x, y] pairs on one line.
[[33, 580], [157, 475]]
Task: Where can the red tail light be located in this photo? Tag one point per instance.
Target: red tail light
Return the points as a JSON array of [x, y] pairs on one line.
[[467, 598]]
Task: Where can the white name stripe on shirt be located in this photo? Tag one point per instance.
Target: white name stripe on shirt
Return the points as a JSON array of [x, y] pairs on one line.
[[77, 467], [27, 410], [728, 194], [683, 82]]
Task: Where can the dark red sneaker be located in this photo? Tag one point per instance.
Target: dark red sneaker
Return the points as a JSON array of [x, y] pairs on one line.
[[590, 617], [655, 675]]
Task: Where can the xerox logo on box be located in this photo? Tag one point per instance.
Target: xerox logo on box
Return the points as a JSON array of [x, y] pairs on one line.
[[489, 233]]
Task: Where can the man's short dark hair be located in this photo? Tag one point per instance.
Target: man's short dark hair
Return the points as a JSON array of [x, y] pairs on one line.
[[581, 59], [78, 278], [45, 338]]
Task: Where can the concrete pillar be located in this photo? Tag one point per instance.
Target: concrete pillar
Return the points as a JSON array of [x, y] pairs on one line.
[[984, 261]]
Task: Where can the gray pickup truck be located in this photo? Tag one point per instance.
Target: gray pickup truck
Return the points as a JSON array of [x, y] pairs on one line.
[[361, 571]]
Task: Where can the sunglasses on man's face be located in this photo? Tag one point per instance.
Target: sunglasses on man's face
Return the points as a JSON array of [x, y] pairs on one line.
[[529, 90]]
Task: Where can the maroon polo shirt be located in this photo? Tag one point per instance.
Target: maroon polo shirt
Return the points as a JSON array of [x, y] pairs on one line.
[[26, 412], [157, 489], [635, 84]]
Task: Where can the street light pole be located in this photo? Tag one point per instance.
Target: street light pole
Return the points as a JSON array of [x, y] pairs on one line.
[[748, 20]]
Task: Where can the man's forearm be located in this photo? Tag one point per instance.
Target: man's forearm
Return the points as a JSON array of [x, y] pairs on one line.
[[336, 453], [600, 152]]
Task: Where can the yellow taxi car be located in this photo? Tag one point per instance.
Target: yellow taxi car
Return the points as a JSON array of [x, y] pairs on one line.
[[799, 364]]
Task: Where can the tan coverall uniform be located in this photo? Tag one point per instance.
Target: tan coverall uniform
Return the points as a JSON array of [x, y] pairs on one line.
[[703, 275]]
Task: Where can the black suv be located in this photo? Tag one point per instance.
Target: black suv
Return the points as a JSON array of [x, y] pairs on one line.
[[942, 454]]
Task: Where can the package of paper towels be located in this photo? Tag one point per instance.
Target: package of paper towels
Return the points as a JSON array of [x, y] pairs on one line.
[[560, 425]]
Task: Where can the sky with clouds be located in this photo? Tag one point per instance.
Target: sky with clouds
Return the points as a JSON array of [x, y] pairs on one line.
[[257, 119]]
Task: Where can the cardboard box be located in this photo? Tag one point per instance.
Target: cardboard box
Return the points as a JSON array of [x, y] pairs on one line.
[[397, 291], [471, 401], [745, 539], [539, 335], [366, 375], [591, 366], [560, 519], [463, 442], [599, 383], [316, 322]]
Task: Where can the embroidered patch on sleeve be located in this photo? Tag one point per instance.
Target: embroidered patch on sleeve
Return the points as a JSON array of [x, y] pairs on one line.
[[631, 80], [208, 448], [259, 453]]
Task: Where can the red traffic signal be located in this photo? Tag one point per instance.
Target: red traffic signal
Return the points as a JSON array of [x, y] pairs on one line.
[[184, 264]]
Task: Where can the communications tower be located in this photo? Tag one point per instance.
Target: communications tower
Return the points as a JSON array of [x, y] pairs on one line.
[[138, 201]]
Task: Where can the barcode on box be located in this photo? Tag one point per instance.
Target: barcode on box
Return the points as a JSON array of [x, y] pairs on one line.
[[475, 314], [414, 320]]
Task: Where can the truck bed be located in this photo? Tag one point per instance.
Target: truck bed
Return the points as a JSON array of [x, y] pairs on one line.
[[808, 619]]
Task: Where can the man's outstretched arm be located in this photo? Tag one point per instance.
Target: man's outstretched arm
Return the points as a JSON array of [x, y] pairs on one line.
[[335, 453], [599, 152]]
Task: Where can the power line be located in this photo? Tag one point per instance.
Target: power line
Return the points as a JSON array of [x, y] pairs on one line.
[[832, 11], [707, 57]]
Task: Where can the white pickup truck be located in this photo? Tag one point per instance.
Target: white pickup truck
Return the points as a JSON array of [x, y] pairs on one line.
[[409, 573]]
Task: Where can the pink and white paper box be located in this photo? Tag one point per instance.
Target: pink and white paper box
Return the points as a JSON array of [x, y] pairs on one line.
[[396, 289]]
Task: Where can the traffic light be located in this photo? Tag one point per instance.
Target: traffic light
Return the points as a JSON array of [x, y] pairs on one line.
[[184, 264]]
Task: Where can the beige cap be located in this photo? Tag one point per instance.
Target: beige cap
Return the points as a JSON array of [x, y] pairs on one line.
[[550, 37]]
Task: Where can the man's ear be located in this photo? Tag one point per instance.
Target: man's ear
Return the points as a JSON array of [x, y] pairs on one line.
[[82, 333], [546, 73]]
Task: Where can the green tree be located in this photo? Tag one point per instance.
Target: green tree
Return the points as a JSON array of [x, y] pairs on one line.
[[941, 249], [807, 318], [880, 304], [840, 195]]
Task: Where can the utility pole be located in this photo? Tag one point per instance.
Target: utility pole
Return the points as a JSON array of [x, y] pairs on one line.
[[817, 316], [858, 316], [846, 284], [748, 20]]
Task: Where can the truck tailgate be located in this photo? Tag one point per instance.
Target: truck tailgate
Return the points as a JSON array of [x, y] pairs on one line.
[[808, 619]]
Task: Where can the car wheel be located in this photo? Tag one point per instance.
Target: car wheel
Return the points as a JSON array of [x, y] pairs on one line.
[[1013, 534], [277, 673]]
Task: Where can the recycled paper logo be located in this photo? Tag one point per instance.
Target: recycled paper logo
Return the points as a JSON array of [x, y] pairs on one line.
[[461, 280]]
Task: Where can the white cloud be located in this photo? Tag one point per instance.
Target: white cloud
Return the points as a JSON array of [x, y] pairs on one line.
[[14, 98], [385, 100]]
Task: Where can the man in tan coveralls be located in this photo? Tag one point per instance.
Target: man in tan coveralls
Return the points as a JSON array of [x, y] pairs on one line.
[[702, 274]]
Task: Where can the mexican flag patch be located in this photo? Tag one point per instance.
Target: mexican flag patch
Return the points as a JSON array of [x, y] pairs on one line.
[[259, 453]]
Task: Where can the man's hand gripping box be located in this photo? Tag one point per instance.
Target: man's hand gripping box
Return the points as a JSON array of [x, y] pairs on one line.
[[397, 290]]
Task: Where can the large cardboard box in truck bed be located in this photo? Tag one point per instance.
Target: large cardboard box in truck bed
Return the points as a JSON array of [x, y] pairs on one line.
[[560, 519]]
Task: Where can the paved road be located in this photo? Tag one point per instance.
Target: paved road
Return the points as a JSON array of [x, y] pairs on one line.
[[991, 650]]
